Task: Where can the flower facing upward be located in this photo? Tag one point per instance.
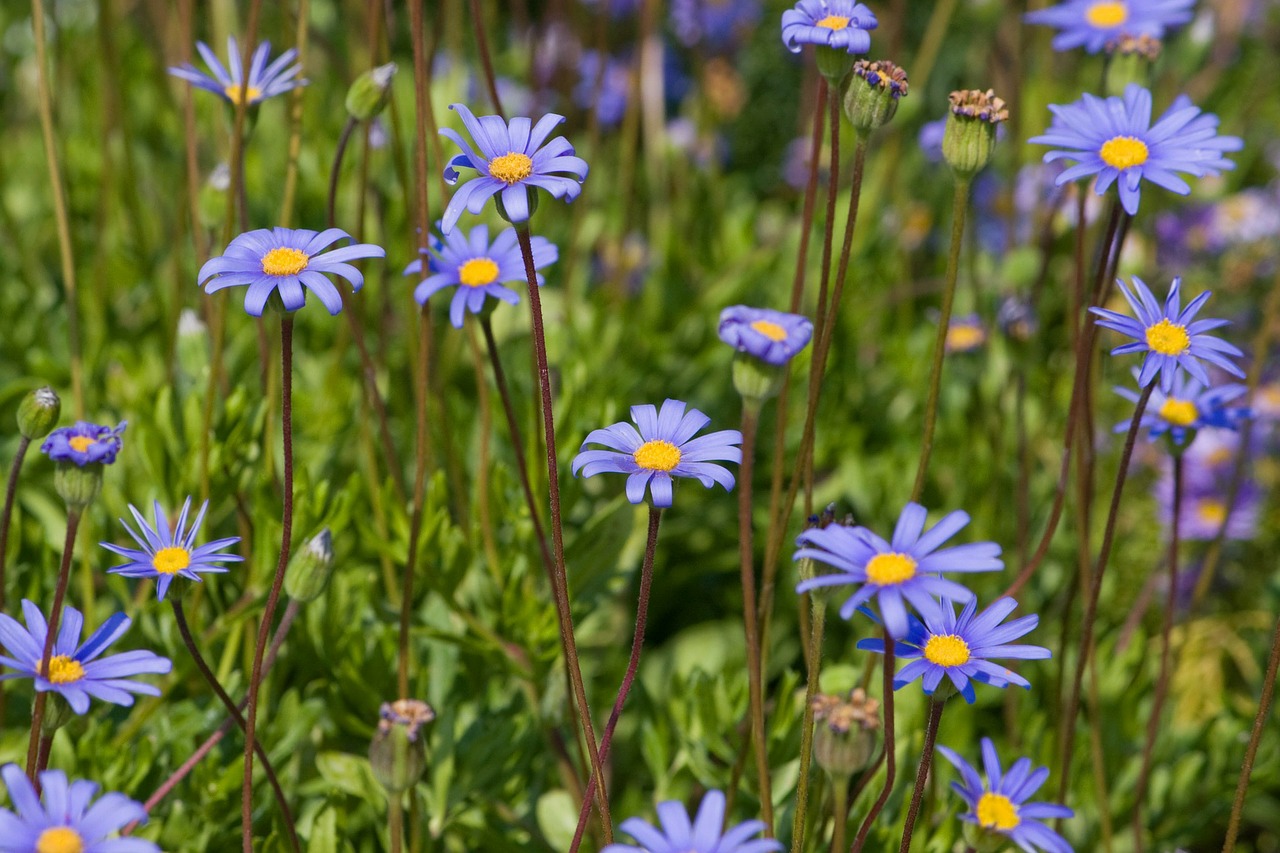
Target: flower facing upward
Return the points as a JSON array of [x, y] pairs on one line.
[[662, 448], [1167, 335], [1000, 807], [908, 567], [513, 162], [65, 822], [841, 24], [74, 671], [960, 647], [1188, 407], [265, 81], [1114, 139], [170, 553], [701, 835], [284, 261], [477, 269], [771, 336], [84, 443], [1093, 24]]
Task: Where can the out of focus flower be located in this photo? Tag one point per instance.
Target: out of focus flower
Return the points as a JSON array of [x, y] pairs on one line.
[[265, 81], [616, 8], [1017, 319], [965, 334], [841, 24], [845, 731], [84, 444], [771, 336], [704, 834], [1204, 510], [1187, 407], [397, 753], [930, 139], [717, 25], [168, 553], [66, 822], [612, 83], [1093, 24]]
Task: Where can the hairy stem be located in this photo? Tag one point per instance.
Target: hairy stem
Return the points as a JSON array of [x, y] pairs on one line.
[[889, 757], [922, 773], [813, 665]]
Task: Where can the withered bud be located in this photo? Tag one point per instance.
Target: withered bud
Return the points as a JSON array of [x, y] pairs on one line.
[[845, 731]]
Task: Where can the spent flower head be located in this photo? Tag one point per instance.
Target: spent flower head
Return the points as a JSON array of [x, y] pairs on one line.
[[970, 133], [169, 552], [875, 88], [1097, 24], [265, 81], [845, 731], [66, 822], [704, 834]]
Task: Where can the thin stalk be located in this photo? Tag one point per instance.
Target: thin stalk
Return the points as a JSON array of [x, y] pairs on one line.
[[289, 194], [810, 196], [959, 207], [482, 45], [395, 823], [264, 629], [890, 760], [922, 773], [180, 619], [344, 139], [55, 617], [813, 663], [484, 463], [42, 757], [6, 516], [839, 811]]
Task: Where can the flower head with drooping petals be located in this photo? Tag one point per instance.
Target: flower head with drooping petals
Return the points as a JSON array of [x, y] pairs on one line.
[[1095, 24], [772, 336], [168, 553], [841, 24], [84, 443], [701, 835], [1188, 407], [265, 81], [65, 822]]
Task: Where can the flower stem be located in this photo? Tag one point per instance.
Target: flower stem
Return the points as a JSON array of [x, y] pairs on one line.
[[264, 629], [6, 516], [482, 44], [51, 633], [839, 811], [813, 664], [890, 758], [922, 773], [560, 588], [395, 823], [180, 619], [343, 139]]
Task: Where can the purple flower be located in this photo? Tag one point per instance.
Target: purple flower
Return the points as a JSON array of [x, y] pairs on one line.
[[265, 81], [771, 336], [1187, 407], [614, 87], [65, 822], [704, 834], [1093, 24], [168, 553], [717, 24], [840, 24], [84, 443]]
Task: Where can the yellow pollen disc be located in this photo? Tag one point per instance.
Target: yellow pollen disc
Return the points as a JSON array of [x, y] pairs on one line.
[[171, 560], [772, 331], [1107, 14], [64, 670], [284, 261], [511, 168], [1179, 412], [1212, 512], [995, 811], [80, 443], [237, 94], [963, 338], [477, 272], [657, 455], [890, 569], [1121, 152], [946, 650], [1168, 338], [60, 839], [833, 22]]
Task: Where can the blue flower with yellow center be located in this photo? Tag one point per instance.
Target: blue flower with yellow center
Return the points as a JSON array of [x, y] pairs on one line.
[[1094, 24], [663, 447], [703, 834], [961, 647], [840, 24], [1169, 335], [478, 269], [1188, 407], [168, 553], [286, 263], [999, 806], [76, 671], [265, 81], [906, 569], [1114, 139], [772, 336], [84, 443], [66, 822]]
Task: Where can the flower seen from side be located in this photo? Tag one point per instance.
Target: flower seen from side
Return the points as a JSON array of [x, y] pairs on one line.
[[840, 24], [1094, 24], [659, 447], [1188, 407], [477, 269], [676, 833], [283, 264], [966, 334], [167, 553], [772, 336], [265, 81], [66, 821], [906, 569], [84, 443], [77, 671], [719, 25]]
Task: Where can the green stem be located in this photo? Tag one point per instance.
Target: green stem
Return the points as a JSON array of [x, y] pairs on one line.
[[839, 810], [936, 707], [395, 823], [813, 664], [6, 516], [890, 758]]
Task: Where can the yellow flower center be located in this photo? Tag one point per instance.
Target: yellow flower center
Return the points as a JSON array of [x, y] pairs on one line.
[[64, 670], [240, 94], [1219, 456], [657, 455], [60, 839], [772, 331], [946, 650], [1168, 338], [995, 811], [1107, 14], [890, 569], [833, 22], [1121, 152], [283, 261], [511, 168], [477, 272], [171, 560], [1179, 412], [964, 338], [1212, 512], [80, 443]]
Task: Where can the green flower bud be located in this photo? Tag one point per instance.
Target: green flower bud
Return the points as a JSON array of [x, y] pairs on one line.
[[191, 347], [38, 413], [846, 732], [310, 568], [369, 94], [1130, 59], [970, 134], [57, 714], [397, 753], [834, 63], [872, 97], [984, 840], [77, 485], [533, 207], [213, 198], [755, 379]]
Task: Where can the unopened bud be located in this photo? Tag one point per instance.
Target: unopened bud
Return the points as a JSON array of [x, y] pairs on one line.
[[1130, 59], [310, 568], [38, 413], [756, 380], [369, 94], [845, 732], [397, 752], [970, 134], [872, 98]]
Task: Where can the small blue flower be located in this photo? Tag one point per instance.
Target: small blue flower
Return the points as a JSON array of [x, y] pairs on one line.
[[1168, 336], [965, 334], [1093, 24], [265, 81], [65, 822], [477, 269], [701, 835], [284, 261], [662, 448], [961, 647], [840, 24], [1188, 407], [909, 567], [716, 24], [1114, 139], [1000, 807], [512, 161], [84, 443], [76, 672], [170, 553], [603, 91], [771, 336]]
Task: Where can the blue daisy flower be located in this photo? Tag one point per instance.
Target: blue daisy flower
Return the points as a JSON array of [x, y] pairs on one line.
[[1114, 139], [662, 448], [284, 261], [703, 834], [1188, 407], [77, 672], [1094, 24], [771, 336], [512, 161], [66, 822], [1000, 807], [717, 24], [265, 81], [477, 269], [908, 567], [961, 647], [84, 443], [1168, 336], [840, 24], [170, 553]]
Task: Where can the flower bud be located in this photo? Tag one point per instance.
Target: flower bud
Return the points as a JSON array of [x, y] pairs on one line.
[[214, 196], [984, 840], [533, 207], [970, 134], [834, 64], [369, 94], [872, 97], [310, 568], [1130, 59], [397, 753], [38, 413], [845, 732], [191, 347], [756, 380]]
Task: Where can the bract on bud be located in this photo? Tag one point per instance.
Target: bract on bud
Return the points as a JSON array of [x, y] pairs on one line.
[[970, 134], [397, 752], [38, 413], [872, 97], [310, 568], [845, 732], [368, 96]]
